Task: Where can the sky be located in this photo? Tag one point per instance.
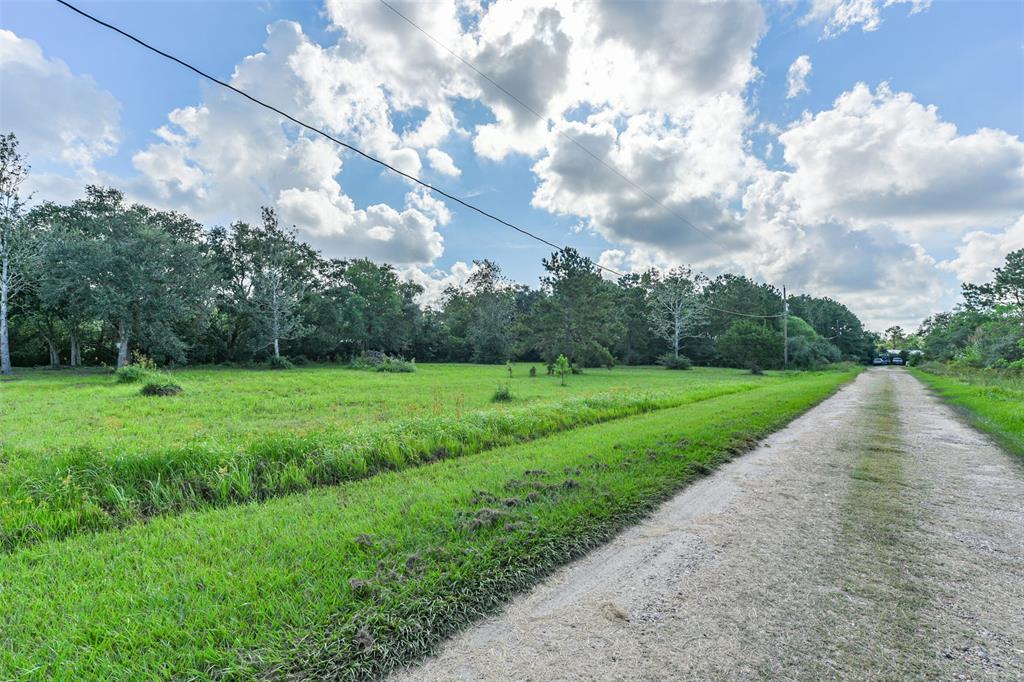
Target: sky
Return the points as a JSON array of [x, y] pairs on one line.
[[867, 150]]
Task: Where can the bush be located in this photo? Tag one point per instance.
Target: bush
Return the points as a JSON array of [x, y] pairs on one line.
[[533, 371], [670, 361], [397, 365], [163, 387], [130, 374], [382, 362], [279, 363], [502, 394], [756, 369], [746, 343]]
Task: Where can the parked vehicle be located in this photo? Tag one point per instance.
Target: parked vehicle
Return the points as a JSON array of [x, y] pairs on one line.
[[878, 361], [897, 361]]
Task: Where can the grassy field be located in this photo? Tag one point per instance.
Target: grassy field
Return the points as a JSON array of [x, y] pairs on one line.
[[100, 484], [45, 410], [349, 580], [993, 401]]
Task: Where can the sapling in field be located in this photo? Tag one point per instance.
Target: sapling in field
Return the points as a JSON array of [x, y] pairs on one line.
[[562, 368]]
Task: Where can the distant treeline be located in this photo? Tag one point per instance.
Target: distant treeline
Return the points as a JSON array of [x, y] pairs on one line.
[[986, 330], [99, 280]]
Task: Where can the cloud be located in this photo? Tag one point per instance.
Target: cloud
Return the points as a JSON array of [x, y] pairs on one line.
[[842, 15], [981, 252], [796, 77], [58, 116], [332, 223], [223, 158], [435, 280], [883, 158], [690, 166], [443, 163]]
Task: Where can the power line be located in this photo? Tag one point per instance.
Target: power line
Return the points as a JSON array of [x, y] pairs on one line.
[[326, 135], [546, 120], [352, 148]]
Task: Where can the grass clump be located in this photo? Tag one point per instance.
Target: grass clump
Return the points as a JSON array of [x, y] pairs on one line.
[[131, 374], [267, 591], [670, 361], [502, 394], [164, 387]]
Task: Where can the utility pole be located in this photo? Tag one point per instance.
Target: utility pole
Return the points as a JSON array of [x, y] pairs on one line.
[[785, 329]]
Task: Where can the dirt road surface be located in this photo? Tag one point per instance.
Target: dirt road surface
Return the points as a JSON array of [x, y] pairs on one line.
[[877, 537]]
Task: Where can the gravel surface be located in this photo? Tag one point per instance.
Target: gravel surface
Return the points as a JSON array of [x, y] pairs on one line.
[[876, 537]]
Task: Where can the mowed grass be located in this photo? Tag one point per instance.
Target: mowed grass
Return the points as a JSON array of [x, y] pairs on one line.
[[58, 493], [994, 403], [45, 410], [349, 581]]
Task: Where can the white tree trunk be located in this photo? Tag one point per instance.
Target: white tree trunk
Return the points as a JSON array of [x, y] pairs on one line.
[[5, 346], [122, 344], [76, 349]]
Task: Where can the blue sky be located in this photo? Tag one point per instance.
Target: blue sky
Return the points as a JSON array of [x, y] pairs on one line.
[[846, 203]]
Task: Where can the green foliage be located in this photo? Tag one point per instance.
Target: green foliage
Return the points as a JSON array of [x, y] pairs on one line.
[[671, 361], [562, 368], [279, 362], [502, 394], [746, 344], [807, 349], [577, 316], [131, 374], [382, 362], [163, 387], [428, 559]]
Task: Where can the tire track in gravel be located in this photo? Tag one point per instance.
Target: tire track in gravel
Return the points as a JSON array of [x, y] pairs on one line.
[[876, 537]]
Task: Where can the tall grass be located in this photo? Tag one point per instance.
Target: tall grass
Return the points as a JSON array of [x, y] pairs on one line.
[[351, 581], [993, 400], [88, 489]]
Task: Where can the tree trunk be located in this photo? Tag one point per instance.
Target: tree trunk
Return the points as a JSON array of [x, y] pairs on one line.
[[76, 349], [5, 346], [675, 339], [122, 344], [54, 353]]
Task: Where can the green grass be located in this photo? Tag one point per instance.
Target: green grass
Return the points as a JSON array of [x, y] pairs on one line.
[[106, 482], [352, 580], [44, 410], [994, 402]]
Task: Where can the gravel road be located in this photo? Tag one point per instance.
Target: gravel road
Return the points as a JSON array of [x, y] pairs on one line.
[[876, 537]]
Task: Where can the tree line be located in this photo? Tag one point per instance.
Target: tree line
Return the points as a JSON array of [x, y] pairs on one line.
[[99, 280], [985, 330]]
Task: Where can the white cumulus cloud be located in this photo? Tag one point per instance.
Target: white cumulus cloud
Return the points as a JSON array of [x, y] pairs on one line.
[[796, 77]]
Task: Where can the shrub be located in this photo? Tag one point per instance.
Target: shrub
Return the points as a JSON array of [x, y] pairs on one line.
[[561, 367], [279, 363], [746, 342], [756, 369], [130, 374], [163, 387], [670, 361], [379, 361], [397, 365], [533, 371], [502, 394]]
